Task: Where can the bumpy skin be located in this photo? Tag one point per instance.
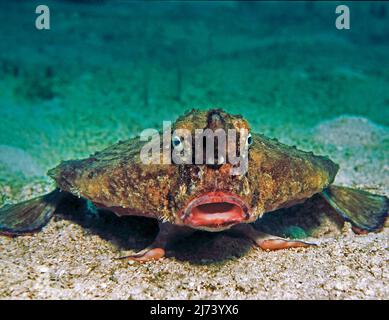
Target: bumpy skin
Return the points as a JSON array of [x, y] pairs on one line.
[[278, 175]]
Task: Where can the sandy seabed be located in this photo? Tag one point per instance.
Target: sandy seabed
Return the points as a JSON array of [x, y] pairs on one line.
[[70, 260], [67, 262]]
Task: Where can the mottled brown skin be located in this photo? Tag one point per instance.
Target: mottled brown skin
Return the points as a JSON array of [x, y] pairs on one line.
[[115, 178], [201, 196], [278, 176]]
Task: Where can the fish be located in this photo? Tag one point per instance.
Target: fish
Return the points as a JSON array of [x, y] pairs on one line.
[[200, 195]]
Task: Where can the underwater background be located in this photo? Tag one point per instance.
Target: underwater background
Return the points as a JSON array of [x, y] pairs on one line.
[[106, 70]]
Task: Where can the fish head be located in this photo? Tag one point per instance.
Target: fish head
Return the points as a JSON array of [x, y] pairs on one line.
[[209, 194], [211, 137]]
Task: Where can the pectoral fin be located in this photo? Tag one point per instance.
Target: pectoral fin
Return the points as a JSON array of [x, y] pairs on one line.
[[364, 210], [168, 233], [28, 216], [266, 241]]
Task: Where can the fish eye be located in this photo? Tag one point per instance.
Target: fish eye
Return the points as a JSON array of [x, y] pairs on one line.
[[176, 141], [249, 139]]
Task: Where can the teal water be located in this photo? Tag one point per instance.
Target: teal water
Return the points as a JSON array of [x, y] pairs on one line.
[[108, 69]]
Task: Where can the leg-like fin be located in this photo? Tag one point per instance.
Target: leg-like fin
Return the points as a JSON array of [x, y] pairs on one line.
[[168, 233], [365, 211], [28, 216], [266, 241]]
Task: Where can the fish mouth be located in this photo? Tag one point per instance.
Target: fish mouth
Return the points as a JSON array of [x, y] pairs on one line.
[[215, 211]]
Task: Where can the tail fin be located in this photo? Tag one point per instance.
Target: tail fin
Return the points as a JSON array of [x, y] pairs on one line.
[[365, 211], [28, 216]]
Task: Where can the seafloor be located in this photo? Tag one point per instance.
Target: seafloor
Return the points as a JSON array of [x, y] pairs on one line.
[[105, 71]]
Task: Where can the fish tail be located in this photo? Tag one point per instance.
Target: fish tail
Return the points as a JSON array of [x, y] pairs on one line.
[[367, 212], [29, 216]]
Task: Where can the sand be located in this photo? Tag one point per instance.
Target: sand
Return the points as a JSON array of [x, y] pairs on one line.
[[76, 258], [85, 85], [68, 262]]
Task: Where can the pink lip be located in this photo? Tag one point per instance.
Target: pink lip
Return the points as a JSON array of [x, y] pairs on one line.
[[215, 209]]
